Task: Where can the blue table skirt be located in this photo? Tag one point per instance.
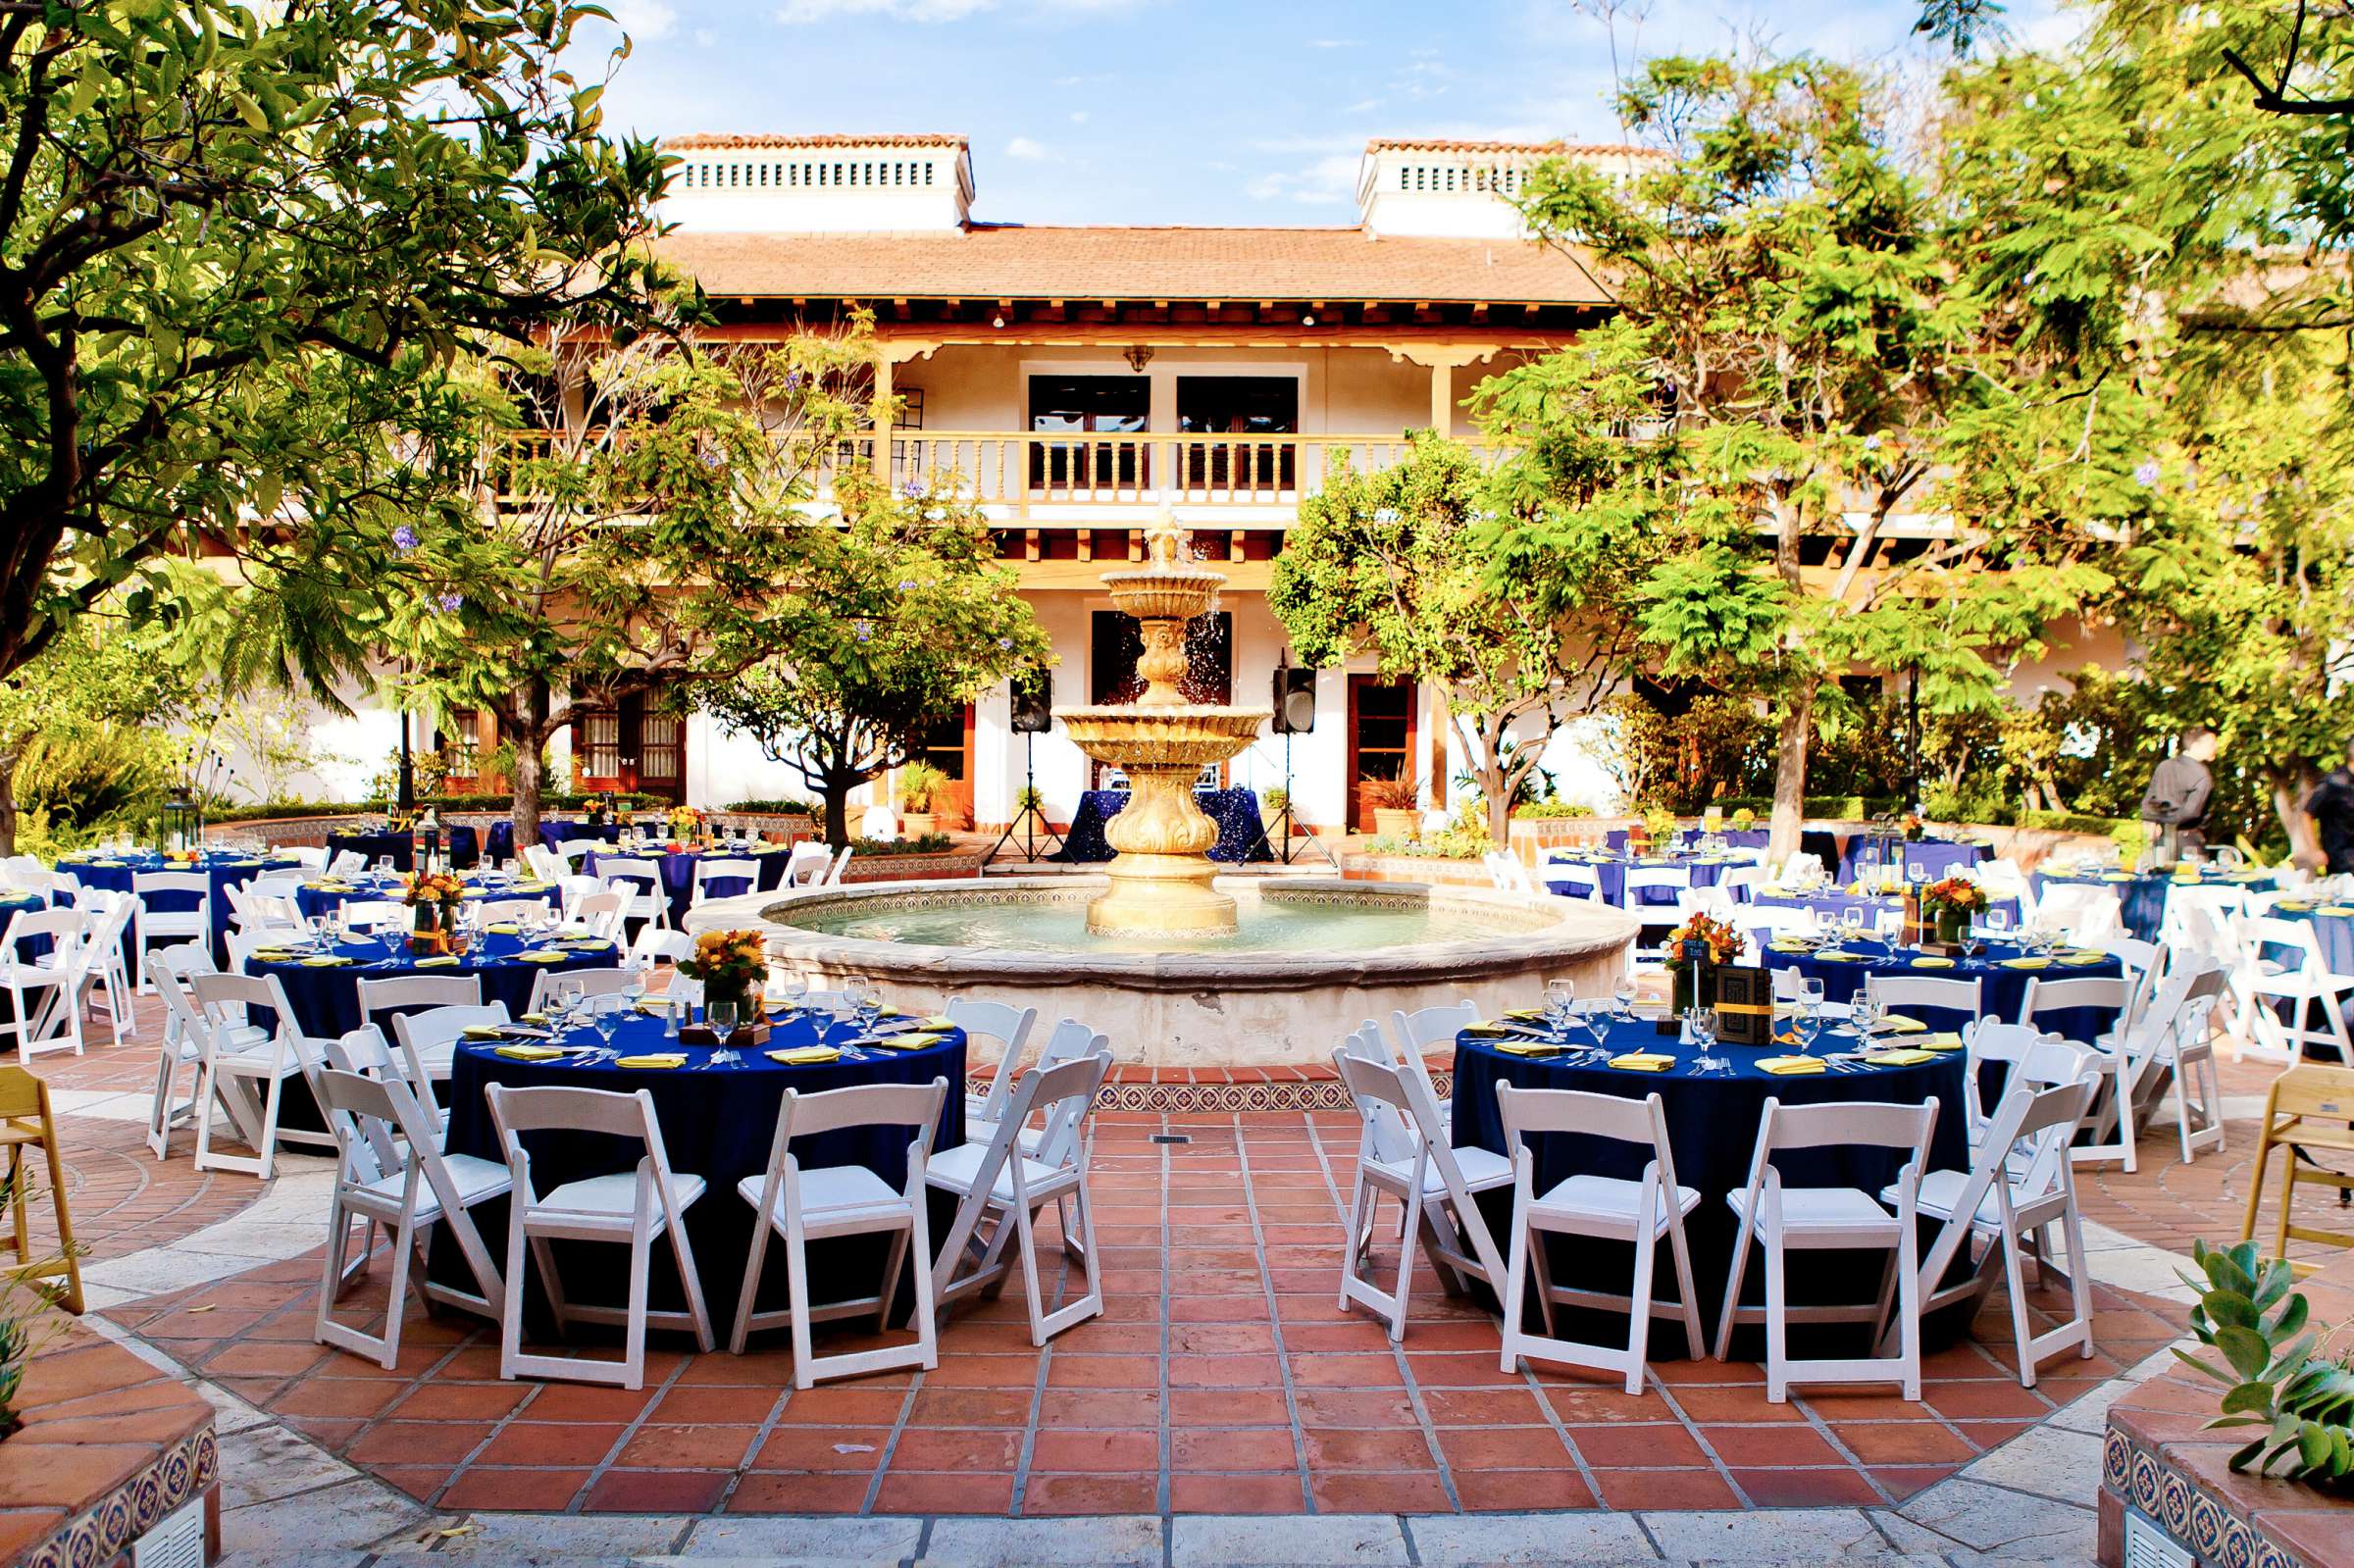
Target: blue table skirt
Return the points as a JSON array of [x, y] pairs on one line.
[[716, 1123], [315, 900], [2001, 989], [1820, 842], [1609, 871], [2141, 895], [327, 1001], [1240, 834], [1711, 1132], [553, 832], [1836, 905], [459, 842], [1938, 857], [678, 874], [224, 872], [2334, 932]]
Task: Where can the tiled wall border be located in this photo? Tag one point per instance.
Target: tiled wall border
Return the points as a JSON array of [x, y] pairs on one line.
[[2204, 1526], [106, 1529]]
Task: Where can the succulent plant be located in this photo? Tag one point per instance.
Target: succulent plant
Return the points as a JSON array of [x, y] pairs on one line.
[[2276, 1379]]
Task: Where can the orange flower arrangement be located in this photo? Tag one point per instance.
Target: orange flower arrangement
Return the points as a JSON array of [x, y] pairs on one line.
[[728, 962], [1953, 893], [436, 887], [1724, 943]]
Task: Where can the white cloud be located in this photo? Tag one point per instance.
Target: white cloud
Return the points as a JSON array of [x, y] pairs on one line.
[[1031, 151], [796, 13], [1326, 182], [706, 38], [1078, 117], [1364, 106], [1335, 43], [645, 21]]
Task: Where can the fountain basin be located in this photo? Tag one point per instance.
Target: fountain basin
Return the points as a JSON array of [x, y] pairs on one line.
[[1309, 959], [1190, 735]]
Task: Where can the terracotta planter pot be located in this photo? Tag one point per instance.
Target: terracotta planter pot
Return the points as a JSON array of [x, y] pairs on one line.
[[1395, 821], [916, 824]]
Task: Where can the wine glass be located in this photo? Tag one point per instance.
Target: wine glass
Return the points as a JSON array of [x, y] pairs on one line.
[[1560, 1002], [721, 1015], [791, 992], [1998, 920], [1598, 1018], [1622, 995], [1703, 1034], [392, 936], [318, 924], [605, 1014], [867, 1001], [633, 979], [1852, 919]]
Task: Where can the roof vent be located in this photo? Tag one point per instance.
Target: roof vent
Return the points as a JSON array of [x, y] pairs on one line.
[[819, 185], [1462, 189]]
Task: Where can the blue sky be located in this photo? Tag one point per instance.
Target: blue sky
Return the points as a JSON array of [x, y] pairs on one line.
[[1201, 111]]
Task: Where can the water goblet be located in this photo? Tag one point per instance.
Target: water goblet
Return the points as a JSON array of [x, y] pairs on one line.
[[1852, 918], [318, 924], [605, 1014], [1998, 920], [633, 979], [1622, 995], [1560, 1000], [1597, 1019], [1703, 1034], [394, 937], [721, 1015]]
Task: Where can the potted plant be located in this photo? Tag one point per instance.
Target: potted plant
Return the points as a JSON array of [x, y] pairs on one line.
[[2285, 1383], [1028, 809], [1950, 902], [1392, 804], [733, 966], [920, 787]]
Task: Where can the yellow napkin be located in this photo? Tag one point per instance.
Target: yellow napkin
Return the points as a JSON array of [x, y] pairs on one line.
[[483, 1030], [804, 1055], [542, 957], [530, 1018], [2038, 962], [1899, 1023], [654, 1004], [940, 1021], [504, 927], [657, 1059], [1643, 1062], [325, 961], [271, 955], [1899, 1058], [2082, 958], [1527, 1047], [531, 887], [2334, 909], [529, 1053], [1946, 1040], [1845, 958], [1787, 946], [921, 1039], [1932, 961], [1489, 1031], [589, 945], [1791, 1066], [2118, 875], [1526, 1013], [437, 961]]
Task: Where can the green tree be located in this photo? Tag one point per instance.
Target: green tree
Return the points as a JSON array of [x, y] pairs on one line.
[[240, 249], [1393, 563], [898, 617], [92, 690]]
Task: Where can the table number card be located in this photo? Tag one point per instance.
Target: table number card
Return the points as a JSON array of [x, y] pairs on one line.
[[1744, 1006]]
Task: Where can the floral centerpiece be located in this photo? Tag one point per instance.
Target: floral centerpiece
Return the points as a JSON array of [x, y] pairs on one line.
[[1693, 949], [1912, 827], [1744, 819], [1951, 901], [594, 810], [434, 896], [686, 823], [733, 966]]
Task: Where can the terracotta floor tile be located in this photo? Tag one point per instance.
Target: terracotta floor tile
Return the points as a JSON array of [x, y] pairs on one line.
[[772, 1491], [976, 1408], [551, 1443], [1502, 1449], [1224, 1407], [982, 1450], [1275, 1493], [1902, 1443], [852, 1406], [1101, 1372], [656, 1491], [1090, 1494], [1345, 1371], [1246, 1448], [421, 1482], [576, 1401], [1096, 1451], [1512, 1491], [921, 1493], [1838, 1485], [669, 1445], [1628, 1490], [1779, 1443], [854, 1449], [1649, 1445], [713, 1403], [1346, 1448], [1986, 1400], [418, 1442], [1373, 1492], [461, 1401], [546, 1490]]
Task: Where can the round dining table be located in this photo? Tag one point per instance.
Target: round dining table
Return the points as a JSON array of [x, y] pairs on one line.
[[2332, 929], [2141, 894], [223, 868], [1611, 866], [558, 831], [328, 893], [323, 989], [1923, 859], [1712, 1135], [1835, 904], [676, 867], [717, 1121], [2000, 969]]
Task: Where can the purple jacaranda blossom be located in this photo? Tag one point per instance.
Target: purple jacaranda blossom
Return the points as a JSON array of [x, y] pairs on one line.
[[451, 601], [864, 628], [1007, 643], [906, 584], [2147, 473], [913, 489], [1871, 444], [404, 538]]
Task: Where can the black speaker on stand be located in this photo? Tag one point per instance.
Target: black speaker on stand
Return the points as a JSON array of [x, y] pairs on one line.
[[1032, 697], [1294, 705]]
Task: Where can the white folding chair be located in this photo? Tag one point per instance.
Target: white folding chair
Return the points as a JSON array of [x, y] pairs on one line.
[[346, 863], [1641, 879], [1505, 873], [2019, 1184], [1010, 1026], [572, 851], [653, 945], [634, 1208], [312, 858], [392, 992], [2175, 1044], [372, 914], [1781, 1220], [1608, 1208], [840, 866], [641, 883], [1945, 992], [598, 914], [428, 1041], [2287, 971], [603, 980], [2081, 913], [810, 1205], [170, 924], [2110, 1121], [105, 972], [1068, 1042], [1424, 1028], [746, 872], [1437, 1186], [56, 977], [170, 969], [1571, 879], [806, 864], [995, 1181], [391, 1171], [510, 911], [238, 1059], [545, 863]]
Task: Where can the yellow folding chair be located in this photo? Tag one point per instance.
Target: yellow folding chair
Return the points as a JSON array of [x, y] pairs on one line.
[[25, 1124], [2309, 1107]]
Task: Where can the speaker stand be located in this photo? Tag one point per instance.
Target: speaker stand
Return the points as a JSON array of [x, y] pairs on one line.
[[1290, 853], [1027, 820]]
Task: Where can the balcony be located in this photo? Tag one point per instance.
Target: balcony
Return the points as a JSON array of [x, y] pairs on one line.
[[1073, 476]]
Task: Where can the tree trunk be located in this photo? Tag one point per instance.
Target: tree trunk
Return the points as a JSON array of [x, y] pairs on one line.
[[2290, 785], [530, 782], [8, 799], [1790, 777], [837, 795]]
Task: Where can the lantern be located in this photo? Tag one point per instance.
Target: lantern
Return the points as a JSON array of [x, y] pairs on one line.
[[179, 827]]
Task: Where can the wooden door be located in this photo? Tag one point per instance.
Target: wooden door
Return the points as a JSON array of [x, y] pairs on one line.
[[1381, 735], [661, 748], [949, 746]]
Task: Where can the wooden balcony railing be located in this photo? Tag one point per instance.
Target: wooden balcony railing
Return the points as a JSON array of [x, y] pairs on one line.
[[1020, 472]]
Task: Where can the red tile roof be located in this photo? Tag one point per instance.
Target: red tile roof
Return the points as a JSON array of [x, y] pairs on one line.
[[706, 141], [1548, 148], [985, 262]]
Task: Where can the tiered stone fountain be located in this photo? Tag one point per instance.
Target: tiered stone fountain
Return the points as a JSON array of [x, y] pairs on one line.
[[1161, 880]]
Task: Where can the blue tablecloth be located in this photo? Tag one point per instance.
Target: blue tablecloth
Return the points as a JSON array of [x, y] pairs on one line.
[[678, 873], [717, 1123], [114, 872], [315, 898], [2334, 932], [1936, 857], [1711, 1132], [327, 1001], [2141, 895], [1234, 811], [555, 831], [1836, 905], [1610, 872], [2001, 989], [460, 844]]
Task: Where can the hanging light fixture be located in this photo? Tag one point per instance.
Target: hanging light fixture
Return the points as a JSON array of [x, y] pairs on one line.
[[1138, 357]]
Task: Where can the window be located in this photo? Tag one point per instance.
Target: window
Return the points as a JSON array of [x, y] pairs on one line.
[[1110, 404], [1257, 406]]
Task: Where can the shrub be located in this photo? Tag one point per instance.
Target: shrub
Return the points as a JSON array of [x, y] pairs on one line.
[[1388, 794], [931, 843], [2071, 822], [2281, 1379], [920, 786], [778, 808], [1545, 810]]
